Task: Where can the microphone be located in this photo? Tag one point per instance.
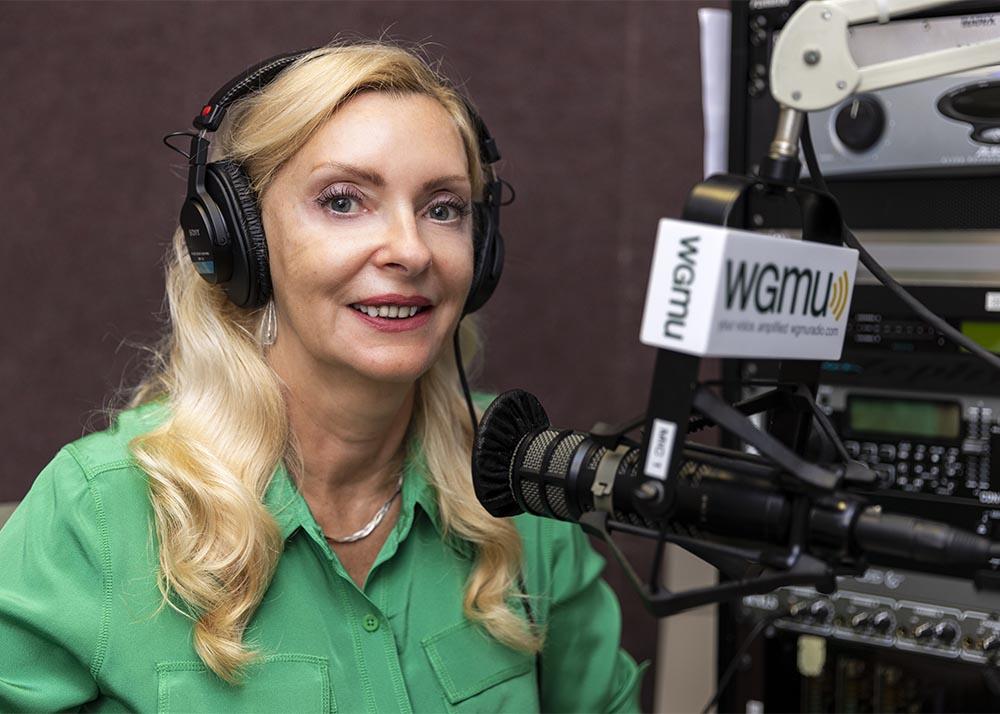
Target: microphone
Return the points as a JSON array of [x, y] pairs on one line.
[[522, 465]]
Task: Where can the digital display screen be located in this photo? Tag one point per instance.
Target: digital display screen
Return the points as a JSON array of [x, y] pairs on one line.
[[905, 417], [985, 334]]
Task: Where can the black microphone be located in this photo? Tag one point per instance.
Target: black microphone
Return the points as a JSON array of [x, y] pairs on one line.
[[522, 465]]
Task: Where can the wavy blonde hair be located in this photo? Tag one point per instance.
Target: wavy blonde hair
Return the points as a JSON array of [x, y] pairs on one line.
[[210, 463]]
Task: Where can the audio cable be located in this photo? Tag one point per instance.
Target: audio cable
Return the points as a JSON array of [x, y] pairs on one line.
[[883, 276], [734, 664]]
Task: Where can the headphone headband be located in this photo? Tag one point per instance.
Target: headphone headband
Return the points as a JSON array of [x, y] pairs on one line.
[[252, 79]]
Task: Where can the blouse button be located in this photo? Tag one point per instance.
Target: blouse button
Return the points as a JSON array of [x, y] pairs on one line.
[[370, 623]]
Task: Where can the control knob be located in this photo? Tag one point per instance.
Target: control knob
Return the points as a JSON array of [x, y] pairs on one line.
[[819, 611], [946, 632], [924, 631], [860, 123], [883, 622], [862, 620]]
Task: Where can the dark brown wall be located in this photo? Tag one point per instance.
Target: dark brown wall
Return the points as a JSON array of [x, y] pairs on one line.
[[596, 106]]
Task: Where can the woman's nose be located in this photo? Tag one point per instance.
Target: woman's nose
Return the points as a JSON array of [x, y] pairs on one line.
[[405, 248]]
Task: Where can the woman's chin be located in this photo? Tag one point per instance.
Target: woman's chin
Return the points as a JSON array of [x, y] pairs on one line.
[[394, 372]]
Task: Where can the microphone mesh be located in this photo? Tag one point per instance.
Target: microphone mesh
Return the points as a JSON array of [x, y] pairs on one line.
[[559, 465], [557, 499], [532, 497], [536, 450]]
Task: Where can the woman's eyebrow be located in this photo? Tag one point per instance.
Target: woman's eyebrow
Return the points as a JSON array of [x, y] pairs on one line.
[[357, 172], [444, 181], [375, 179]]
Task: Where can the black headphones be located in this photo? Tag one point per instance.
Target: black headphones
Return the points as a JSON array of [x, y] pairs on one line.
[[221, 219]]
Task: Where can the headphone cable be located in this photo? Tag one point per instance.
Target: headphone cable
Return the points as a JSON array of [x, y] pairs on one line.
[[465, 382]]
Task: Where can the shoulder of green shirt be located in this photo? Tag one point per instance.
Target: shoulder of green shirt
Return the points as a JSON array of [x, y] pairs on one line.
[[108, 450], [64, 525], [94, 461]]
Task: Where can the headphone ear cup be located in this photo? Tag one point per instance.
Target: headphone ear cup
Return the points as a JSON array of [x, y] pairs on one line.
[[488, 256], [230, 188]]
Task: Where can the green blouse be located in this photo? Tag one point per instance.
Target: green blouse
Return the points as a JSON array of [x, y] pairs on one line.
[[81, 622]]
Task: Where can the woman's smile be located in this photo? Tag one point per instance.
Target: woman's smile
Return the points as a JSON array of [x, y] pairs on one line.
[[395, 324], [394, 313]]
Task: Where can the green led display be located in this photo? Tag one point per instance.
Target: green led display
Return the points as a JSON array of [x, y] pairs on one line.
[[985, 334], [905, 417]]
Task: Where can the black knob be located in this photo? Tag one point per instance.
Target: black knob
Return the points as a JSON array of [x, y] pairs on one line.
[[860, 123], [946, 632], [923, 631], [821, 611], [882, 622]]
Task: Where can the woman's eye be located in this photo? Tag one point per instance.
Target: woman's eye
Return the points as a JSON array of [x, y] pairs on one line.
[[341, 201], [342, 204], [442, 212], [446, 212]]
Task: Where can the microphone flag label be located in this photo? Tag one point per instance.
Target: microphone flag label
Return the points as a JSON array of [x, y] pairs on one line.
[[661, 447], [722, 292]]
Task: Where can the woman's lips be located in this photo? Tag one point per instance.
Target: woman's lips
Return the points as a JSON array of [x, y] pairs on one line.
[[395, 324]]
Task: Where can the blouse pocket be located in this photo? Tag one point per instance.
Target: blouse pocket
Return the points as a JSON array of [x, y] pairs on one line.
[[478, 673], [281, 682]]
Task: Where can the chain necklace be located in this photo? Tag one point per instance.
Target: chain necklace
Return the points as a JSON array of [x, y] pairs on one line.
[[367, 529]]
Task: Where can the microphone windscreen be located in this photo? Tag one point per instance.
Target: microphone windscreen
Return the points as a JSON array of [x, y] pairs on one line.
[[505, 422]]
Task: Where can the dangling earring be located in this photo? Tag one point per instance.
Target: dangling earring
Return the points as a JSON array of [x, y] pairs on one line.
[[268, 332]]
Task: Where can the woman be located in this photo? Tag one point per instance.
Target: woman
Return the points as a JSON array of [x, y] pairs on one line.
[[283, 519]]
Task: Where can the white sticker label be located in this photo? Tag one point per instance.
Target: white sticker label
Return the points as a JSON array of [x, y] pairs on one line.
[[661, 446], [992, 302], [728, 293]]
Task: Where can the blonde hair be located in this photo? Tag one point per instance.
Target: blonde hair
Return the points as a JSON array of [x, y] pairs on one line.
[[211, 461]]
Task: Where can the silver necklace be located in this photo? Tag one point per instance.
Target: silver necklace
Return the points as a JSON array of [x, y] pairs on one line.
[[367, 529]]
